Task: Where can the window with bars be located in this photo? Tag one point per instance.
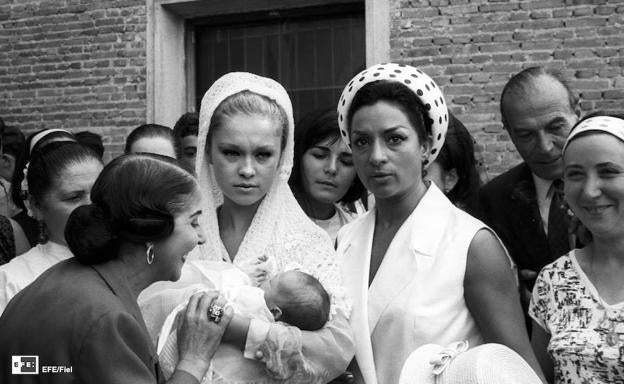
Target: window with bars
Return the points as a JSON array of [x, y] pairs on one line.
[[312, 53]]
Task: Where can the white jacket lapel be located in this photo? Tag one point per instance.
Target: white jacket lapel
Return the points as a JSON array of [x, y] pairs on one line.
[[354, 262]]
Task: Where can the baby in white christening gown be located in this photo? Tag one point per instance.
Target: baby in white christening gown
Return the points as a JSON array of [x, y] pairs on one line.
[[292, 297]]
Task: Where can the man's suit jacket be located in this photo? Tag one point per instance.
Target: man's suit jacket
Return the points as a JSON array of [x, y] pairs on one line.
[[508, 205], [83, 317]]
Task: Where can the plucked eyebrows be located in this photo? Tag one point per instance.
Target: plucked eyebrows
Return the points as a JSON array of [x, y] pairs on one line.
[[384, 131], [196, 213], [261, 148]]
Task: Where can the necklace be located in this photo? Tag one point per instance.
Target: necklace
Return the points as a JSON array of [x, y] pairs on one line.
[[612, 338]]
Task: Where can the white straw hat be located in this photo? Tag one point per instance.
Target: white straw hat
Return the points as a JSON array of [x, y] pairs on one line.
[[456, 364]]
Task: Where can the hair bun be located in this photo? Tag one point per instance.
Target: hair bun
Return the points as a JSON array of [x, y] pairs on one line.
[[156, 224], [89, 235]]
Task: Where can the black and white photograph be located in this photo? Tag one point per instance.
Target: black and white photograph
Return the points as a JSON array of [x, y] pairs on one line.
[[312, 191]]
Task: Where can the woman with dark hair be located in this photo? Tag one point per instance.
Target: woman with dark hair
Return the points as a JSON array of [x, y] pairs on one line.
[[323, 180], [59, 179], [578, 300], [419, 269], [143, 221], [12, 238], [454, 171], [34, 143], [152, 138]]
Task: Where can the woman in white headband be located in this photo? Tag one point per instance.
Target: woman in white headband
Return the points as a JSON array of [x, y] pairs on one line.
[[419, 269], [578, 300], [34, 230], [59, 179]]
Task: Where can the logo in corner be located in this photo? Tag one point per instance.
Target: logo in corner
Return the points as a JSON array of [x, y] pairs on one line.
[[25, 365]]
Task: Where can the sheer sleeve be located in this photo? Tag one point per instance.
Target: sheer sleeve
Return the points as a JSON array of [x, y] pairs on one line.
[[295, 356]]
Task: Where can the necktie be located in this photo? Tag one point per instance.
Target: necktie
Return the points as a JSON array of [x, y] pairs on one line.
[[558, 222]]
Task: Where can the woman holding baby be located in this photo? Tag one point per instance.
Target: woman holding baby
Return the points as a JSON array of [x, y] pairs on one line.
[[253, 222]]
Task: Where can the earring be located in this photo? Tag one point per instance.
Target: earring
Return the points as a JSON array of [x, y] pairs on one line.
[[149, 252]]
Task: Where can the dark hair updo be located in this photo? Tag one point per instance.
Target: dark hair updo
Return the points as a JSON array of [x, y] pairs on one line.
[[133, 200], [17, 194], [149, 131], [398, 94], [47, 165]]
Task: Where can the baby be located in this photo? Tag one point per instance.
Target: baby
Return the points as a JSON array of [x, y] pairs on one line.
[[298, 299], [292, 297]]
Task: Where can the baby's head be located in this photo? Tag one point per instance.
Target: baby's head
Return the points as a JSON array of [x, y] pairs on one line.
[[298, 299]]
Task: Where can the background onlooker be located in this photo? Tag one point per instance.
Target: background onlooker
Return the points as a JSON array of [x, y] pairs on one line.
[[59, 179], [12, 239], [91, 140], [34, 143], [323, 179], [455, 171], [13, 148], [524, 204], [185, 131], [152, 138], [578, 300]]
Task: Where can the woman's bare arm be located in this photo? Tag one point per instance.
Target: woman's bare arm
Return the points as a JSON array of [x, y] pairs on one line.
[[539, 341], [492, 297]]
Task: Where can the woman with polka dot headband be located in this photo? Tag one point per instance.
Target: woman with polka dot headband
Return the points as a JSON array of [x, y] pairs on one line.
[[419, 269]]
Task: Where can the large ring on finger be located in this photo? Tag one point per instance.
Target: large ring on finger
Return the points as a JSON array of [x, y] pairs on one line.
[[215, 312]]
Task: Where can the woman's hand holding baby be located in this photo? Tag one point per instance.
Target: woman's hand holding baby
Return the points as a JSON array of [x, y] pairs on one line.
[[201, 332]]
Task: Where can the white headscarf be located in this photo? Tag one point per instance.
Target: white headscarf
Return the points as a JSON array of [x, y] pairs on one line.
[[280, 230]]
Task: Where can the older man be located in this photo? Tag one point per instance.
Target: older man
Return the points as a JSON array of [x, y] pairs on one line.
[[525, 205]]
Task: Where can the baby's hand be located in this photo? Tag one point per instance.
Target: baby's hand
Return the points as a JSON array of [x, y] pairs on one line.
[[259, 270]]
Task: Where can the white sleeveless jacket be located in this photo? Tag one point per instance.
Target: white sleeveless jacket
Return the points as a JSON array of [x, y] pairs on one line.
[[417, 295]]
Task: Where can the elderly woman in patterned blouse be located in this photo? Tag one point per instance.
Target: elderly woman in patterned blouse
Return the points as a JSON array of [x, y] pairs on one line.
[[578, 301]]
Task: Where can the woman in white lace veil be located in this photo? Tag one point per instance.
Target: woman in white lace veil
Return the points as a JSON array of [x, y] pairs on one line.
[[279, 236]]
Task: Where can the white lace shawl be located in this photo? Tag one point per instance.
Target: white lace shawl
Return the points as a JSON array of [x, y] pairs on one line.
[[281, 231]]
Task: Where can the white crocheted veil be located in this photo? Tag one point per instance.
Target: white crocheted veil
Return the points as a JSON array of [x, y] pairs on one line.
[[280, 229]]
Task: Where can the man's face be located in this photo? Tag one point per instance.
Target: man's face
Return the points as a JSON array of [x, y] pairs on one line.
[[7, 166], [539, 118], [189, 150]]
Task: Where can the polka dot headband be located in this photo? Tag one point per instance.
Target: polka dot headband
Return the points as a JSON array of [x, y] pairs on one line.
[[606, 124], [416, 80]]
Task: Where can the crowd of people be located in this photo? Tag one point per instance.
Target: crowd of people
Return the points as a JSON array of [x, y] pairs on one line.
[[357, 245]]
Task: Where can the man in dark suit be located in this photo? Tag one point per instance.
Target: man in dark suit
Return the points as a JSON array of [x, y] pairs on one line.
[[525, 204]]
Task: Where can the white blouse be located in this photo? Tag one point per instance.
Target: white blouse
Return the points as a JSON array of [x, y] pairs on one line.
[[24, 269]]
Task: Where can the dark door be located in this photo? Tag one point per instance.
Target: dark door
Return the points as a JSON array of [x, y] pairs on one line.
[[313, 53]]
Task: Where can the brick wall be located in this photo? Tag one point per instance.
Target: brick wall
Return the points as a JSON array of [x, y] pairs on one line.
[[80, 64], [471, 47], [76, 64]]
